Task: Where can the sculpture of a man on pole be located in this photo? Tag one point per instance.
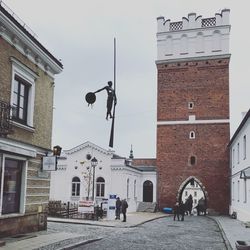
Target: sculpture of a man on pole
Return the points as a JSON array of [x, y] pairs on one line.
[[110, 100]]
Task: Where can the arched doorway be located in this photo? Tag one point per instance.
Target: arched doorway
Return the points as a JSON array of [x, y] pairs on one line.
[[192, 186], [148, 191]]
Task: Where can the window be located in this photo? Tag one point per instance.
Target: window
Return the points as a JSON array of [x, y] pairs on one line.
[[245, 190], [195, 201], [244, 147], [186, 193], [135, 195], [195, 194], [233, 157], [22, 94], [75, 186], [12, 175], [20, 100], [192, 160], [238, 191], [190, 105], [100, 187], [233, 191], [127, 188], [238, 153], [192, 135]]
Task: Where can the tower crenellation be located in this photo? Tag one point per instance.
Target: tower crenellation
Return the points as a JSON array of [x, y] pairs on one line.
[[193, 36]]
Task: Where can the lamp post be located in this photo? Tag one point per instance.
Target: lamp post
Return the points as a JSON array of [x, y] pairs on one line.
[[94, 163], [57, 152]]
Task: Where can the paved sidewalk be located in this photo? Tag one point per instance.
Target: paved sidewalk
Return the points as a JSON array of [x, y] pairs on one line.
[[232, 230]]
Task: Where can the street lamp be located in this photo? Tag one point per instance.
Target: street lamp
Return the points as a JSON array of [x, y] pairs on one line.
[[94, 163]]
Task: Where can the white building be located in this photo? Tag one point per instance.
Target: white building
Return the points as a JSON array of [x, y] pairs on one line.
[[113, 175], [240, 170], [196, 192]]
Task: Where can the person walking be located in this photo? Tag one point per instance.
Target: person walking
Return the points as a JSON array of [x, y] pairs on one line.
[[182, 210], [124, 209], [118, 204], [176, 211]]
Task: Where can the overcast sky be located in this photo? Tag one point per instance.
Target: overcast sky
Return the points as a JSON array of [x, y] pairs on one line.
[[81, 32]]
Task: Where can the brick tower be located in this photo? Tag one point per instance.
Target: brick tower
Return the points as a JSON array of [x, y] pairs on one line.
[[193, 108]]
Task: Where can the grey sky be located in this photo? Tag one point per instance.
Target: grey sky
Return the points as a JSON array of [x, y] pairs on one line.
[[81, 32]]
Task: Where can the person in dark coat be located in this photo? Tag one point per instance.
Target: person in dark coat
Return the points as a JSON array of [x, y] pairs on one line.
[[124, 209], [182, 210], [118, 204], [176, 211]]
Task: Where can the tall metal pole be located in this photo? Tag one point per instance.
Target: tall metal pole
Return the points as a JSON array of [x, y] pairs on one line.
[[111, 140], [93, 189]]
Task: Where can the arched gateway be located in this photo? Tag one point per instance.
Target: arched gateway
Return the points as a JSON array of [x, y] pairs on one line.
[[193, 108]]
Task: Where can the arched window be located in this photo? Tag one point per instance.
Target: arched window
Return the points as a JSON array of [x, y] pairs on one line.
[[184, 44], [216, 40], [192, 135], [169, 50], [127, 188], [75, 186], [100, 187], [135, 195], [199, 43]]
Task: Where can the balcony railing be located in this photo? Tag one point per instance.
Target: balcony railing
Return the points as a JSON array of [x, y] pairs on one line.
[[5, 119]]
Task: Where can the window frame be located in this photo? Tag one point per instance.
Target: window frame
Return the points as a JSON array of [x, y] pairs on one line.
[[192, 135], [244, 147], [100, 187], [28, 77], [23, 182], [75, 187]]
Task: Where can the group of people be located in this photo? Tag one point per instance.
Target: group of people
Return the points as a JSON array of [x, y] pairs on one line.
[[121, 206], [179, 210]]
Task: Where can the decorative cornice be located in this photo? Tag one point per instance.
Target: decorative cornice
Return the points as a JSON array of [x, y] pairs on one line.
[[198, 58], [16, 35]]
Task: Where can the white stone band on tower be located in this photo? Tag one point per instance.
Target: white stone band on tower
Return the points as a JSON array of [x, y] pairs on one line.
[[193, 37]]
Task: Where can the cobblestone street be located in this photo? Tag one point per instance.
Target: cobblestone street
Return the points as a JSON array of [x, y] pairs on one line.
[[194, 233]]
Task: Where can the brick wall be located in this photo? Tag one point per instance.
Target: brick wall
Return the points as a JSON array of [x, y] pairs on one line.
[[206, 83]]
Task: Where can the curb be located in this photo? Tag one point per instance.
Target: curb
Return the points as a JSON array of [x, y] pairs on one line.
[[226, 241], [98, 225], [81, 243]]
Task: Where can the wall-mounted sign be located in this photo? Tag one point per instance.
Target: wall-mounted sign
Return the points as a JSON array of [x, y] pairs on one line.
[[49, 163]]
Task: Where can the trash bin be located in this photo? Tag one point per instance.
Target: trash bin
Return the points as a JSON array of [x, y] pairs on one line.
[[242, 245]]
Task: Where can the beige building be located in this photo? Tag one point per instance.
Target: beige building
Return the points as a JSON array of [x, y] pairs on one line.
[[27, 71]]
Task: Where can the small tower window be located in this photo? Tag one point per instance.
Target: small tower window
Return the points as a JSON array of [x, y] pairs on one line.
[[190, 105], [192, 160], [192, 135]]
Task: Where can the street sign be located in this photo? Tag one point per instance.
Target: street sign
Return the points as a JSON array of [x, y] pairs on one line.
[[49, 163]]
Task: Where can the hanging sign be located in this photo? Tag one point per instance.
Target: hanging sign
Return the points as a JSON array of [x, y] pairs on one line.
[[49, 163]]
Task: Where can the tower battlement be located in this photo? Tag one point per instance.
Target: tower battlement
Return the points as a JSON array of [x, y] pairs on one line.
[[194, 36]]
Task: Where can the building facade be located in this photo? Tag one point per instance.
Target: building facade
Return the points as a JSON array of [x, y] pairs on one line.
[[193, 108], [240, 170], [76, 179], [27, 72]]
